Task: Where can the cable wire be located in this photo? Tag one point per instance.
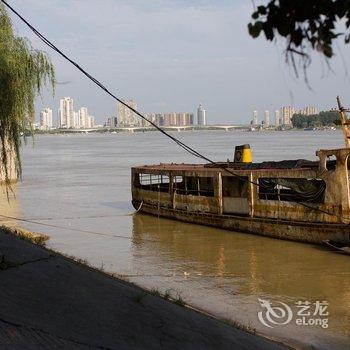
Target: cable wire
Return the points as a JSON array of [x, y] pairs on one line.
[[69, 228]]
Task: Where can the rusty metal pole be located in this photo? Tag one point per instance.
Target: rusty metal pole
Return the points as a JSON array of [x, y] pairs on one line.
[[344, 123]]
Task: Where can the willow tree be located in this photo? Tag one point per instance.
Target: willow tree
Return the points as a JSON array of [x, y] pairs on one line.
[[24, 73]]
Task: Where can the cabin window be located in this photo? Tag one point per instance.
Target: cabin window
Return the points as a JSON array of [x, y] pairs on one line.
[[194, 185], [179, 184], [331, 162], [206, 186], [152, 182], [177, 180], [235, 187], [292, 189]]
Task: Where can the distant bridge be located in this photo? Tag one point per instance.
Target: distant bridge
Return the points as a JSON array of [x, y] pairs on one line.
[[181, 128], [151, 128], [77, 131]]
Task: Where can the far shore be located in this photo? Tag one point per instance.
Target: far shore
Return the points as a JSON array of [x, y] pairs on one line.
[[225, 128]]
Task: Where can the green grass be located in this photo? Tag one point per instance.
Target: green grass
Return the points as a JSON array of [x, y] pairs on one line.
[[243, 327], [155, 292], [79, 261], [167, 294], [32, 237], [179, 301]]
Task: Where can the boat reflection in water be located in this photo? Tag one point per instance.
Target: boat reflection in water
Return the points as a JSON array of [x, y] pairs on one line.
[[226, 272]]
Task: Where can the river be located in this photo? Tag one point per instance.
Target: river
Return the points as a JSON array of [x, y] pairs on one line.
[[77, 190]]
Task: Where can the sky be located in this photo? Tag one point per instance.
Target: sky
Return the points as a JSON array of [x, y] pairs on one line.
[[172, 55]]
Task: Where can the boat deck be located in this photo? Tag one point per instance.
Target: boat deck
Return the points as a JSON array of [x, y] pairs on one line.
[[297, 164]]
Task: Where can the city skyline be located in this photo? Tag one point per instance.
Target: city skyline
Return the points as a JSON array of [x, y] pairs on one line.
[[170, 119], [283, 116], [166, 66], [68, 117]]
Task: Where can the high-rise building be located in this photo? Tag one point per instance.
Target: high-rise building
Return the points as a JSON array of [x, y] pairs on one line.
[[170, 119], [46, 119], [178, 119], [155, 118], [125, 116], [83, 116], [185, 119], [255, 118], [287, 114], [66, 113], [75, 122], [90, 121], [310, 110], [201, 116], [192, 119], [151, 117], [158, 119], [277, 118], [112, 122], [266, 119]]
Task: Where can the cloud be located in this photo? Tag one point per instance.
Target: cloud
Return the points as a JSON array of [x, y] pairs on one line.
[[181, 52]]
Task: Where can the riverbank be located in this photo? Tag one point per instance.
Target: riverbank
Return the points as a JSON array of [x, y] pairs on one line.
[[52, 302]]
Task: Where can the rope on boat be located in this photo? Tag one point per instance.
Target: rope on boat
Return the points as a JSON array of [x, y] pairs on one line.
[[158, 200], [139, 208]]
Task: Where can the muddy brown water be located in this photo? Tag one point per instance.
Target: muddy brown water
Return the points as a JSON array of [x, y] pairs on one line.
[[77, 189]]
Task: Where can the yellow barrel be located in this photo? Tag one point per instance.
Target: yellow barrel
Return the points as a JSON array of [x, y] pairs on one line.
[[243, 154]]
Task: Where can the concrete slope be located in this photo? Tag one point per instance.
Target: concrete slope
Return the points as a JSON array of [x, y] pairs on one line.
[[50, 302]]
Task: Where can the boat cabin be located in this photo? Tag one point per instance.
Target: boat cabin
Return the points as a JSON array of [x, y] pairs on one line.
[[298, 190]]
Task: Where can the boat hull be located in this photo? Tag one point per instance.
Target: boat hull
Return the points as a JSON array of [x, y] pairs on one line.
[[299, 231]]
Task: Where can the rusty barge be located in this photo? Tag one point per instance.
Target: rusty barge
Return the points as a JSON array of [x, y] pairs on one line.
[[299, 200]]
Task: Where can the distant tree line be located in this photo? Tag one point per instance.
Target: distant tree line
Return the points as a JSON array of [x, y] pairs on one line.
[[315, 120]]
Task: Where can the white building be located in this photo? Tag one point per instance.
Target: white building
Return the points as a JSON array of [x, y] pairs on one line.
[[266, 119], [125, 116], [75, 122], [287, 114], [310, 110], [46, 119], [66, 113], [83, 117], [277, 118], [201, 116], [255, 118], [150, 116], [90, 122]]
